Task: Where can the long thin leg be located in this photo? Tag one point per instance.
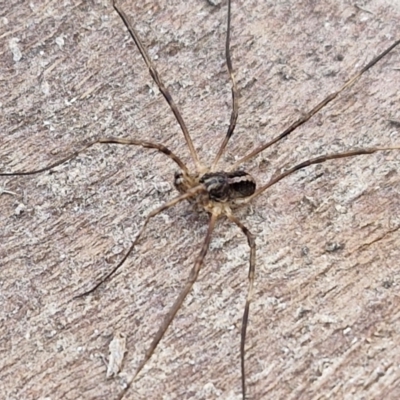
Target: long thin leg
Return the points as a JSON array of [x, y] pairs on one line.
[[164, 91], [157, 146], [149, 145], [190, 193], [317, 160], [318, 107], [194, 273], [245, 319], [234, 113]]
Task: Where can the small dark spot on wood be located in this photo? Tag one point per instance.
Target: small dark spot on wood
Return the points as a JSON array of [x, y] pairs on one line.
[[305, 251], [332, 247], [387, 283]]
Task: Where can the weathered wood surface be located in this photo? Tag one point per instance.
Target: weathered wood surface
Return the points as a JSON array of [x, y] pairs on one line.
[[325, 318]]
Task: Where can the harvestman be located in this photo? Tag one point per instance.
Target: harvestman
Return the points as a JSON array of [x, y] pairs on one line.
[[213, 190]]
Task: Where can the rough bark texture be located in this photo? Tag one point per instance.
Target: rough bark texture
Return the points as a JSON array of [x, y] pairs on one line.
[[325, 318]]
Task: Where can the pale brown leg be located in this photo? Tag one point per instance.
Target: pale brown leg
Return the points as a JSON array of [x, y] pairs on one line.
[[164, 91], [318, 107], [317, 160], [156, 146], [245, 319], [56, 164], [148, 145], [250, 238], [235, 106], [190, 193], [194, 273]]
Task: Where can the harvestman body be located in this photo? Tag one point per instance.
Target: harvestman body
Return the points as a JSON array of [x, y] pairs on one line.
[[213, 190]]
